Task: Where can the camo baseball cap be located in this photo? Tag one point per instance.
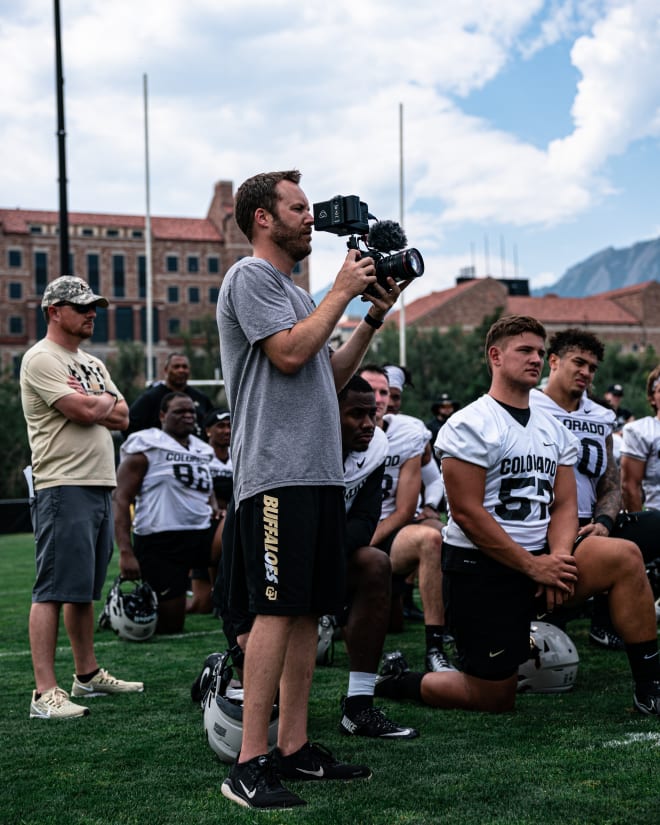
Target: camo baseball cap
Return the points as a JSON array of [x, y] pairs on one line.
[[71, 289]]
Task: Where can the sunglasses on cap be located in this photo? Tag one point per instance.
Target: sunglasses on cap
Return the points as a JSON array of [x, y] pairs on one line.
[[81, 309]]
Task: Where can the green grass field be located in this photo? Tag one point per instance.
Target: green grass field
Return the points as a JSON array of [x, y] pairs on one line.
[[583, 757]]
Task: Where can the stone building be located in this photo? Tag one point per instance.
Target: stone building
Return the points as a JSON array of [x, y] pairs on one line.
[[189, 259], [629, 316]]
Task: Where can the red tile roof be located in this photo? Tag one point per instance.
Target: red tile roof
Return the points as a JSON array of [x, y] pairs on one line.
[[17, 221], [428, 303], [552, 309]]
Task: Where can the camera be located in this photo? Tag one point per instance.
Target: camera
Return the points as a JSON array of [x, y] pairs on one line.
[[384, 241]]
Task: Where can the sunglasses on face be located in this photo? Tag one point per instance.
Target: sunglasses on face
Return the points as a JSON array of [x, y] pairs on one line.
[[81, 309]]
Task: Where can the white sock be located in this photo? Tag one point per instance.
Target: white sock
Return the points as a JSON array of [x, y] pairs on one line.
[[361, 684]]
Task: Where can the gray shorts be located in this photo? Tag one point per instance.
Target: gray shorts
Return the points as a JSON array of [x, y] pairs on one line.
[[73, 531]]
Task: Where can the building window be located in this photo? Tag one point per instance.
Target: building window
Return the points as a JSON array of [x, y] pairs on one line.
[[172, 263], [111, 233], [93, 271], [15, 325], [15, 291], [193, 294], [155, 324], [192, 263], [124, 323], [142, 276], [36, 230], [118, 276], [14, 258], [87, 232], [40, 272], [101, 326], [213, 264], [195, 326], [214, 291], [137, 233], [172, 294], [174, 326]]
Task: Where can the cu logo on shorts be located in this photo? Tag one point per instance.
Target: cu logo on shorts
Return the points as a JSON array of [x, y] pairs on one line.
[[271, 594]]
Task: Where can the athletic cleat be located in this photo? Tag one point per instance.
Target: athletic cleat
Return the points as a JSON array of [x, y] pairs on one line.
[[603, 637], [103, 684], [646, 698], [437, 662], [314, 762], [389, 682], [55, 704], [394, 664], [413, 613], [254, 784], [372, 722]]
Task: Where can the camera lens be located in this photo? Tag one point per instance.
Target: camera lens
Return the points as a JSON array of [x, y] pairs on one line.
[[402, 266]]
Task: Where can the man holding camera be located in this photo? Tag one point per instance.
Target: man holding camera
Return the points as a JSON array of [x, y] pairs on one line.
[[288, 535]]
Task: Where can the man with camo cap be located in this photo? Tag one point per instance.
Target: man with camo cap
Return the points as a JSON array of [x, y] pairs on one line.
[[70, 405]]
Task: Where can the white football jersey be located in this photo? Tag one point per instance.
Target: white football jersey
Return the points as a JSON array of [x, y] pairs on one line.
[[591, 423], [405, 439], [222, 477], [521, 465], [641, 440], [360, 465], [177, 485]]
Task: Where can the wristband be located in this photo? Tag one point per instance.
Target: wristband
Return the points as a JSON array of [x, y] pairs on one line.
[[373, 322], [606, 521], [113, 394]]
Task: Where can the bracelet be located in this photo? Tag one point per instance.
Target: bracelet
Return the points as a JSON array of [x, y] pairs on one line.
[[114, 395], [373, 322], [606, 521]]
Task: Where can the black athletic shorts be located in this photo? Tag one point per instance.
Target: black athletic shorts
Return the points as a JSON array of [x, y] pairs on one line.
[[284, 552], [488, 609], [642, 528], [166, 558]]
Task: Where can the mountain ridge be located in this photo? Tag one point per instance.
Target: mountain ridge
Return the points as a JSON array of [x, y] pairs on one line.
[[607, 270]]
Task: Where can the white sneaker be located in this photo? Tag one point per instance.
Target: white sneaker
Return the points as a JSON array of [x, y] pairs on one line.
[[103, 684], [55, 704]]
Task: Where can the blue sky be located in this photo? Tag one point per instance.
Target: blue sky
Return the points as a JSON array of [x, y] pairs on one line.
[[530, 128]]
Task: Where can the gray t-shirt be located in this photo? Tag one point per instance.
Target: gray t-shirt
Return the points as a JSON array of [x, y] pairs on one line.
[[285, 428]]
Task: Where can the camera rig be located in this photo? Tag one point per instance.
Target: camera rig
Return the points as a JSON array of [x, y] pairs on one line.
[[385, 241]]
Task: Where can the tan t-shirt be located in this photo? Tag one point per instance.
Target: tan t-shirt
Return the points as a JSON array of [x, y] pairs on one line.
[[63, 452]]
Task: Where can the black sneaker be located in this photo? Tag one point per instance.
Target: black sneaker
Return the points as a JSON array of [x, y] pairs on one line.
[[437, 662], [646, 698], [373, 722], [254, 784], [314, 762], [413, 613], [603, 637]]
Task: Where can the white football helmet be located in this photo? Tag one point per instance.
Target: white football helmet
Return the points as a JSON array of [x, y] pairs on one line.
[[133, 614], [553, 661], [223, 714]]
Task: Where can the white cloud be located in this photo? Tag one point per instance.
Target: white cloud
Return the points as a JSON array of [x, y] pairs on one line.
[[236, 88]]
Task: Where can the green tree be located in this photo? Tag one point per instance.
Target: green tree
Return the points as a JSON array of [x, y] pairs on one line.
[[14, 447], [127, 369], [454, 362], [451, 362]]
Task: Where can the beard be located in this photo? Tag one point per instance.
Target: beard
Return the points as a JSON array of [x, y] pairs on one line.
[[298, 246]]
